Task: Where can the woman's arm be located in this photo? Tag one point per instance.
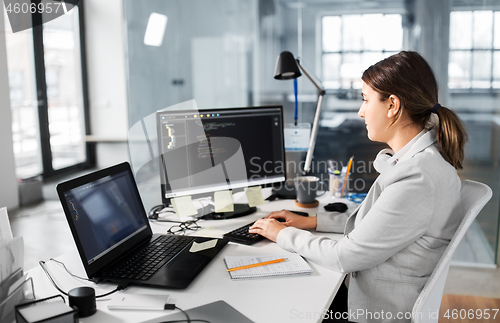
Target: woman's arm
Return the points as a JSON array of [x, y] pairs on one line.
[[400, 216]]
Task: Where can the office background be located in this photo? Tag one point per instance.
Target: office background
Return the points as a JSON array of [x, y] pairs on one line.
[[100, 78]]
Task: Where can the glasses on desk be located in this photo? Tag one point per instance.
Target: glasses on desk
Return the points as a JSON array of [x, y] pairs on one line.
[[183, 227]]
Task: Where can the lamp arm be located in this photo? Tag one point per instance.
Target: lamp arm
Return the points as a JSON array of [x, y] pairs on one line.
[[318, 86], [314, 132], [317, 115]]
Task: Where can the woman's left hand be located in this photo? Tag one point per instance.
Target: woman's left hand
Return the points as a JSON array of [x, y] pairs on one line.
[[268, 228]]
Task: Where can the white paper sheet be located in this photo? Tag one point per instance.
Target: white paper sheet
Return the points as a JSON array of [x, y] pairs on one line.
[[11, 256], [5, 230]]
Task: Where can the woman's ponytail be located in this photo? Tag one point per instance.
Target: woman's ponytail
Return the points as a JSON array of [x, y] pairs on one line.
[[451, 137]]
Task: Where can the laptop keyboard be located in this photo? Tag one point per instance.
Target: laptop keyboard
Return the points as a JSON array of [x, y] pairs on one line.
[[150, 259]]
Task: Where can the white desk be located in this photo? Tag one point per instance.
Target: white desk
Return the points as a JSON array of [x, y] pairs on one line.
[[277, 299]]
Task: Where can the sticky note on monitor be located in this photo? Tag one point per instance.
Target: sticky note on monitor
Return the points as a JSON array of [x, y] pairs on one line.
[[223, 201], [183, 206], [254, 196]]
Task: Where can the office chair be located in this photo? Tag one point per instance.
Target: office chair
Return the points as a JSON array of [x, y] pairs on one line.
[[473, 197]]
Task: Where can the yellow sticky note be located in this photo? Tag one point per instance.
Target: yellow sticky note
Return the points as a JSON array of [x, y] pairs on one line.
[[195, 247], [254, 196], [183, 206], [223, 201]]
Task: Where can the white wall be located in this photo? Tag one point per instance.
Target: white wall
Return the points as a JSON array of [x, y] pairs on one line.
[[104, 27], [9, 195]]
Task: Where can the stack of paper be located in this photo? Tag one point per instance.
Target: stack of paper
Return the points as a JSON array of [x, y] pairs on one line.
[[11, 267]]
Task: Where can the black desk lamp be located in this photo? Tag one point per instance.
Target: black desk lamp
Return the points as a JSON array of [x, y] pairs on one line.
[[287, 68]]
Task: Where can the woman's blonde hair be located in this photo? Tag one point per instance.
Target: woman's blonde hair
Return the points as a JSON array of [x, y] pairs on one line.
[[409, 77]]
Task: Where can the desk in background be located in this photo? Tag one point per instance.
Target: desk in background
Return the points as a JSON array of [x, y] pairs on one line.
[[276, 299]]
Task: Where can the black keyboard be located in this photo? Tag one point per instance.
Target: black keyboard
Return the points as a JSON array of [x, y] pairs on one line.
[[149, 260], [241, 235]]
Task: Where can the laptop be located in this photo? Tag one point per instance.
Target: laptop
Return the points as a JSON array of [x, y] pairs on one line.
[[114, 238], [216, 312]]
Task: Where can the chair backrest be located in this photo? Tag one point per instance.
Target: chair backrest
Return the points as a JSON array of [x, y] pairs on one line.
[[473, 197]]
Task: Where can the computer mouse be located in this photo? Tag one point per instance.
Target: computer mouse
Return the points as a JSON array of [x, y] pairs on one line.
[[336, 207]]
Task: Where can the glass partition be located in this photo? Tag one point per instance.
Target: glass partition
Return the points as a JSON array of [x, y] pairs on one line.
[[183, 50], [223, 54]]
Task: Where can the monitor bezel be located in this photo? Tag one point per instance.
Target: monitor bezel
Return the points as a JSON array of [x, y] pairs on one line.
[[270, 183]]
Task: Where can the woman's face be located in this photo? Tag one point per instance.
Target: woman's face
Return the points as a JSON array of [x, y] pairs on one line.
[[376, 115]]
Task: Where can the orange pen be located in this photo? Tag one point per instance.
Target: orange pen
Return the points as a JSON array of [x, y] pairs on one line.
[[258, 264]]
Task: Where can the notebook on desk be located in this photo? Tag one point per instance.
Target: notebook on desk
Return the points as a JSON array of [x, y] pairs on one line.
[[114, 237], [293, 265]]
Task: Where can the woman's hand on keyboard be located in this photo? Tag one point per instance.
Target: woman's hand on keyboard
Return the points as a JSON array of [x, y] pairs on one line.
[[268, 228], [293, 220]]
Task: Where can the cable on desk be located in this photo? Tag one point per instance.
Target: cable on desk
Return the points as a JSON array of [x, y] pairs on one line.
[[155, 211], [62, 264], [42, 264], [188, 319], [183, 226]]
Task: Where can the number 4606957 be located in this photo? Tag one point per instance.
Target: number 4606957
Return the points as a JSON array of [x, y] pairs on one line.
[[471, 314], [34, 7]]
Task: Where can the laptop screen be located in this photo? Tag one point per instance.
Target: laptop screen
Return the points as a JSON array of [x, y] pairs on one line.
[[106, 213]]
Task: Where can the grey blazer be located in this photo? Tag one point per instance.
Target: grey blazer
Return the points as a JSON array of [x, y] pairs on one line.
[[394, 239]]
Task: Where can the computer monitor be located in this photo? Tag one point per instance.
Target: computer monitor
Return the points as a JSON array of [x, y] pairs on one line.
[[210, 150]]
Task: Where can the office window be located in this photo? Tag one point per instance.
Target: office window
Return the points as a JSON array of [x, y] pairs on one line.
[[474, 50], [351, 43], [48, 96]]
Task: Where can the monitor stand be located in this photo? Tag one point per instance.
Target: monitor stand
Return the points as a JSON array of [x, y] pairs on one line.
[[239, 210], [285, 191]]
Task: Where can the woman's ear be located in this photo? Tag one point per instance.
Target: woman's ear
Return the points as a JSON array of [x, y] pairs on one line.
[[394, 106]]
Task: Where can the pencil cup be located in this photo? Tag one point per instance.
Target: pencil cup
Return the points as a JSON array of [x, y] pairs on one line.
[[341, 191], [335, 183]]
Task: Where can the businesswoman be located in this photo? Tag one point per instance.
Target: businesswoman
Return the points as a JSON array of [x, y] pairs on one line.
[[394, 239]]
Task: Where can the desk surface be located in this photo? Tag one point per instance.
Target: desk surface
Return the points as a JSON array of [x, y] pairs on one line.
[[276, 299]]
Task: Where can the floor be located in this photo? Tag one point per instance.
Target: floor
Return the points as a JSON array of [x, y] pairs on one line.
[[479, 309], [47, 235]]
